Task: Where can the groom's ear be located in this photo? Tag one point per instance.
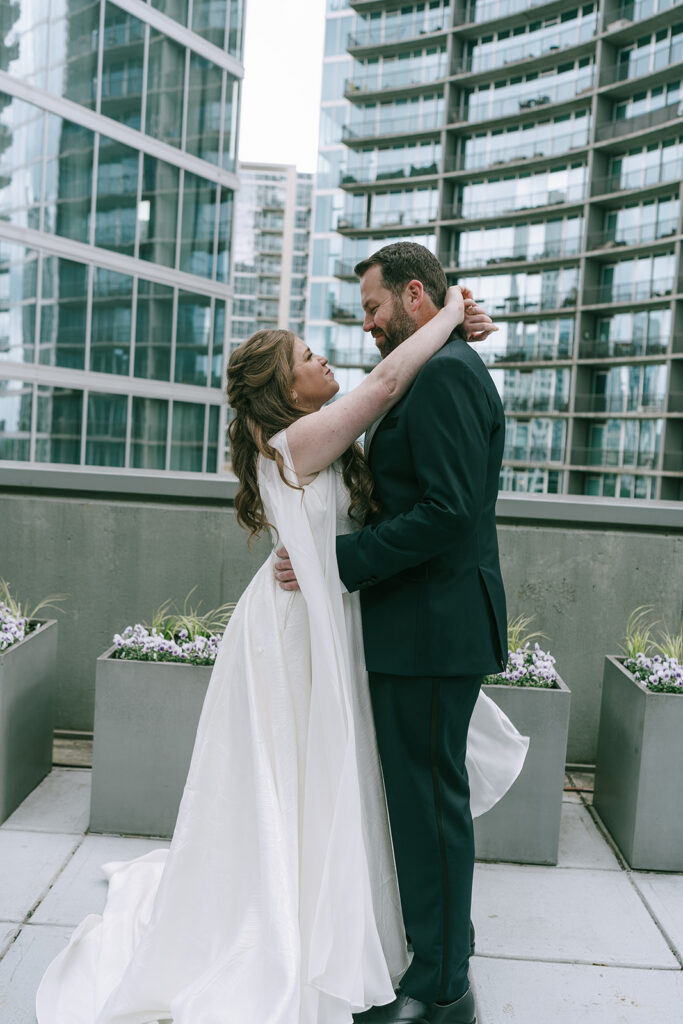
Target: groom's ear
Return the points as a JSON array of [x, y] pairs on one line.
[[413, 294]]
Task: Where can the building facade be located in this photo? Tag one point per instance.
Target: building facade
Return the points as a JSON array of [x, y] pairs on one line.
[[271, 249], [118, 141], [537, 149]]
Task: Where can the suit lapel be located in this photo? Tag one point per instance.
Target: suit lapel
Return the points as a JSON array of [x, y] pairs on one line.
[[369, 434]]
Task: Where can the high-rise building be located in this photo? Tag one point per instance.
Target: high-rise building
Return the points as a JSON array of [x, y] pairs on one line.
[[118, 135], [271, 249], [537, 149]]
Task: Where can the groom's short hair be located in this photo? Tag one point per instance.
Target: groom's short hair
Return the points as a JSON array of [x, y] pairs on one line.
[[402, 262]]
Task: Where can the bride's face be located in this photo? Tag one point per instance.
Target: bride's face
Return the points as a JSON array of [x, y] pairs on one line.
[[313, 381]]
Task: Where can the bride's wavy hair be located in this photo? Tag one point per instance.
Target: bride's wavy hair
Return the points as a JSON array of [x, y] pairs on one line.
[[260, 396]]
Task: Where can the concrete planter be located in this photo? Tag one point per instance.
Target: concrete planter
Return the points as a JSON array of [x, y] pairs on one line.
[[638, 791], [146, 717], [27, 701], [524, 826]]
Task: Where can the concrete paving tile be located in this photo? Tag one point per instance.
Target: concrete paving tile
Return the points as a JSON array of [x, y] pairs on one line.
[[583, 780], [523, 992], [61, 803], [573, 914], [8, 929], [30, 861], [81, 889], [664, 896], [581, 843], [23, 967]]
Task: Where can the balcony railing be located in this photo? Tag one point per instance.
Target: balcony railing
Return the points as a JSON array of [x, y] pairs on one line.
[[619, 403], [487, 10], [488, 207], [398, 170], [526, 354], [536, 403], [353, 357], [496, 105], [525, 149], [344, 268], [533, 453], [643, 177], [406, 76], [413, 28], [406, 125], [616, 348], [490, 257], [520, 304], [390, 219], [637, 10], [638, 235], [526, 47], [625, 457], [628, 291], [345, 314], [641, 122]]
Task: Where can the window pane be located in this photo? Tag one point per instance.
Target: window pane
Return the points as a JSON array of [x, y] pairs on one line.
[[176, 9], [68, 179], [21, 158], [18, 280], [212, 449], [117, 187], [153, 331], [158, 211], [236, 28], [111, 320], [63, 313], [165, 87], [204, 106], [187, 441], [106, 430], [16, 400], [198, 226], [74, 42], [58, 425], [218, 343], [122, 57], [148, 433], [192, 340], [224, 234], [208, 20], [229, 149]]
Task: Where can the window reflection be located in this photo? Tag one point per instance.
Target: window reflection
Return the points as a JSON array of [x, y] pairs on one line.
[[74, 43], [63, 313], [106, 430], [204, 109], [218, 343], [165, 87], [117, 186], [208, 20], [176, 9], [187, 438], [59, 416], [68, 179], [149, 426], [198, 226], [193, 339], [16, 402], [112, 302], [153, 330], [18, 281], [21, 157], [158, 211], [122, 59]]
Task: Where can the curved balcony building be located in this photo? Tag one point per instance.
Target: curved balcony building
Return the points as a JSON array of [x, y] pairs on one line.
[[537, 149], [118, 139]]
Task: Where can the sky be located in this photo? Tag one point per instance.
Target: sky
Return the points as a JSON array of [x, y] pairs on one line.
[[283, 52]]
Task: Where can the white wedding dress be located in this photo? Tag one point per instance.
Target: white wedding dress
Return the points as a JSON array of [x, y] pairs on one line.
[[277, 902]]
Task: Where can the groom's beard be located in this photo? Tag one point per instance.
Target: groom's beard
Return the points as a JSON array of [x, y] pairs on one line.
[[397, 330]]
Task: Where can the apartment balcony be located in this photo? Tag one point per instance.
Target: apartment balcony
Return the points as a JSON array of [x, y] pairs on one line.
[[641, 123], [494, 207], [489, 257], [375, 39], [346, 314], [352, 358], [528, 51], [480, 13], [402, 80], [519, 305], [415, 127], [570, 144], [392, 220], [620, 404], [615, 458], [514, 353], [534, 404], [533, 453], [401, 172], [641, 179], [630, 291], [500, 107], [343, 269], [622, 348], [602, 244]]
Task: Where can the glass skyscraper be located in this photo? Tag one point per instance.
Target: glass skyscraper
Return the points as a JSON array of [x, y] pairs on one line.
[[118, 135], [537, 149]]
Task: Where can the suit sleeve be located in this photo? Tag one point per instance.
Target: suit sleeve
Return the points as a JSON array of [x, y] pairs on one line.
[[449, 428]]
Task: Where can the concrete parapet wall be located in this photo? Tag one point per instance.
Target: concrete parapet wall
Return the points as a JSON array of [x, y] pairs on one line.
[[120, 546]]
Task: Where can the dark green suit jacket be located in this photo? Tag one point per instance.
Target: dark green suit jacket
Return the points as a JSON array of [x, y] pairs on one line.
[[427, 565]]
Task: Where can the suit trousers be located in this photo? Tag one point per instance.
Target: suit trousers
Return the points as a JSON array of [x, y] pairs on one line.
[[421, 724]]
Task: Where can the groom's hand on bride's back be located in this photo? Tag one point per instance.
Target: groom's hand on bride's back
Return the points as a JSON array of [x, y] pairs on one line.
[[284, 574]]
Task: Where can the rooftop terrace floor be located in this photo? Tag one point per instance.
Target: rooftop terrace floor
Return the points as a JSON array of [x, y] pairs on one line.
[[587, 941]]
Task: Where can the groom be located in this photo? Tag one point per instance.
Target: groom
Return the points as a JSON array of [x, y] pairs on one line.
[[434, 619]]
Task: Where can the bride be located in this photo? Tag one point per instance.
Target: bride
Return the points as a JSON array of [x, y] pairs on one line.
[[277, 901]]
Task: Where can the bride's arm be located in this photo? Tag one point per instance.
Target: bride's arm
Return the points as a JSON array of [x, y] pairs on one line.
[[316, 440]]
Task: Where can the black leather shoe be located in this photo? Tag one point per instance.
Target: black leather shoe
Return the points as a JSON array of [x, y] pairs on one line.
[[461, 1011], [403, 1010]]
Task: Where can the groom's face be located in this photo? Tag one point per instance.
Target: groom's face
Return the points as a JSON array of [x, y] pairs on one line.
[[386, 317]]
